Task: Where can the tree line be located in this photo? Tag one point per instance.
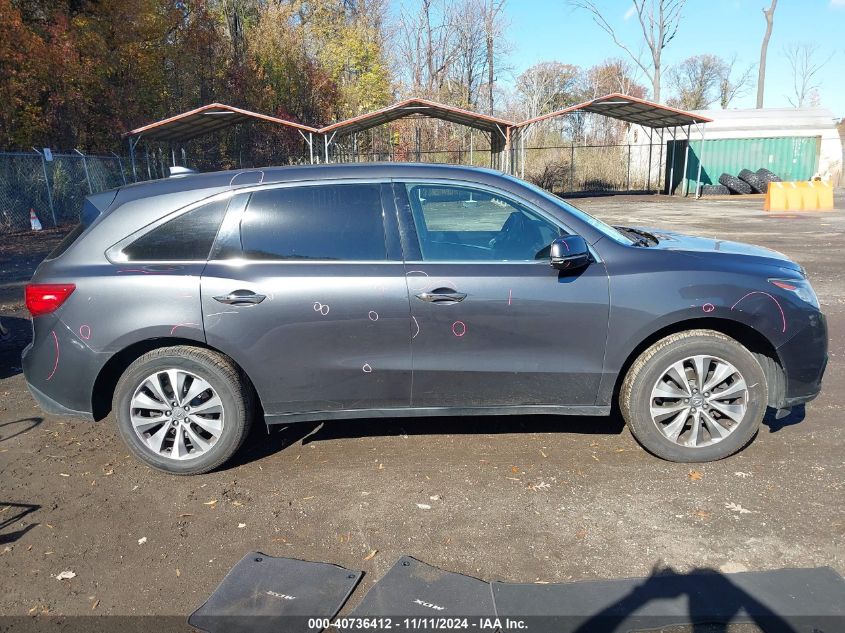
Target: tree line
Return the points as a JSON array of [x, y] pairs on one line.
[[75, 73]]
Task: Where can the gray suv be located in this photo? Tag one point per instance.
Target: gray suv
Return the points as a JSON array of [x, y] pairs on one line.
[[193, 305]]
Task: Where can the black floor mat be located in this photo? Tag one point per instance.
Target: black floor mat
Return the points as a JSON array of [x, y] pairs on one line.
[[266, 594], [784, 600], [415, 590]]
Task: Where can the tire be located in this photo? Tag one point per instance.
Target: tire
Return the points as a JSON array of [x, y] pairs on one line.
[[756, 183], [734, 184], [647, 374], [768, 176], [715, 190], [203, 447]]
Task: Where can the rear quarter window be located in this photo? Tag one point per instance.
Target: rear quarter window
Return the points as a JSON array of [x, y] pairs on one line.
[[188, 237]]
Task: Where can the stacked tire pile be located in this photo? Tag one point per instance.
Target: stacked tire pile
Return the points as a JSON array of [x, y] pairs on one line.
[[745, 182]]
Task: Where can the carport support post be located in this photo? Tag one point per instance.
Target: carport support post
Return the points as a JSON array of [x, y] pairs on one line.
[[660, 155], [700, 160], [572, 167], [669, 189], [686, 161], [650, 143], [628, 175], [522, 153]]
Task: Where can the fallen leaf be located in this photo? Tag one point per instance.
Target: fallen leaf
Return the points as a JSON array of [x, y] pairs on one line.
[[435, 497], [210, 503], [702, 514], [65, 575], [63, 475], [742, 474], [307, 498], [371, 555], [694, 475], [142, 540], [581, 533], [237, 503], [514, 469], [178, 573], [182, 516], [423, 506], [594, 457], [241, 526], [735, 507], [94, 606]]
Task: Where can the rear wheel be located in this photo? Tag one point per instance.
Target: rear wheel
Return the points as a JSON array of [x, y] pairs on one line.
[[695, 396], [184, 410]]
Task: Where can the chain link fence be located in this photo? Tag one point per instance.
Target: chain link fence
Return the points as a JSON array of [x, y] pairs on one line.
[[53, 189]]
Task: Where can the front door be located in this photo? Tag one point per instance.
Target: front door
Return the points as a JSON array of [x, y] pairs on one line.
[[493, 323], [306, 292]]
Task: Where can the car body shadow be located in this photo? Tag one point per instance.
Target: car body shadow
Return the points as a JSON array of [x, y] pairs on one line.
[[264, 441], [12, 346], [795, 416]]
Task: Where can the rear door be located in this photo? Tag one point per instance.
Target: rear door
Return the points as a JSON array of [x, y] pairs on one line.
[[494, 323], [306, 290]]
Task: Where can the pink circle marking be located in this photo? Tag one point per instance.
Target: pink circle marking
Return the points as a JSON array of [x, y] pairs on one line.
[[85, 331], [459, 328], [708, 307]]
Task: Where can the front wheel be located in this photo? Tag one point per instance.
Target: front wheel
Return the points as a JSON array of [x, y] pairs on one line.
[[695, 396], [184, 410]]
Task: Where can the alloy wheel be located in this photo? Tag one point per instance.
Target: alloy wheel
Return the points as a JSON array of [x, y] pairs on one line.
[[699, 401]]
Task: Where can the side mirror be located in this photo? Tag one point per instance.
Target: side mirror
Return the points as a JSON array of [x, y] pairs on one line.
[[569, 253]]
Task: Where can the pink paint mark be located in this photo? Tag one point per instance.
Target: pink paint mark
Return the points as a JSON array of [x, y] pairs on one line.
[[373, 315], [178, 325], [510, 295], [321, 308], [777, 303], [708, 307], [56, 365], [418, 327], [459, 328], [367, 369], [85, 331]]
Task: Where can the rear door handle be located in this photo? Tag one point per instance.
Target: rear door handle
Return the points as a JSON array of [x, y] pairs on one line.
[[241, 297], [442, 295]]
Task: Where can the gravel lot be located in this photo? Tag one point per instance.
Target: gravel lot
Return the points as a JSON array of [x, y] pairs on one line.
[[520, 499]]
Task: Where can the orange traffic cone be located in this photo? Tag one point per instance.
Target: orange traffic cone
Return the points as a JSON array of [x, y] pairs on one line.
[[34, 222]]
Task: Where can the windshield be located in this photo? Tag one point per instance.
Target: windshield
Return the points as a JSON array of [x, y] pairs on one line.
[[606, 229]]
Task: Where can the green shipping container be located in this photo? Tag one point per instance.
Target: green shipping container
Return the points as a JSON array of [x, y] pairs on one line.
[[790, 157]]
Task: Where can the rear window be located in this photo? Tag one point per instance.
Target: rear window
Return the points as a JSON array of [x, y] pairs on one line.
[[187, 237], [321, 222]]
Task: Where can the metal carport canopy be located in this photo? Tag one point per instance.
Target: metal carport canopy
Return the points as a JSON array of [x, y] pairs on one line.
[[205, 120], [417, 107], [629, 109]]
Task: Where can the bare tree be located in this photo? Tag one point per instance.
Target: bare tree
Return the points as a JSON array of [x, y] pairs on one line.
[[761, 73], [546, 87], [805, 64], [696, 81], [492, 29], [732, 86], [659, 21]]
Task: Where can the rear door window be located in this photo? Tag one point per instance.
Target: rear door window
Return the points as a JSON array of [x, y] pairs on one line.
[[337, 222], [187, 237]]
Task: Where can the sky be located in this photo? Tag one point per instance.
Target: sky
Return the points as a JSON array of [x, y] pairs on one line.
[[542, 30]]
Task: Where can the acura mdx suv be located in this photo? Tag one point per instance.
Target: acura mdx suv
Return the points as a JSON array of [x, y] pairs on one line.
[[194, 305]]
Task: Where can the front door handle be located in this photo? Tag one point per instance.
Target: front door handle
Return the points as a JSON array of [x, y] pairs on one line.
[[241, 297], [442, 295]]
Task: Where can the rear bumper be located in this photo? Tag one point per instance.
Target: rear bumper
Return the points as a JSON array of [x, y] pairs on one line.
[[48, 405], [60, 369], [804, 358]]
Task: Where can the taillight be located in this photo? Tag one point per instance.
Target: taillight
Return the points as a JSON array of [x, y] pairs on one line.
[[46, 298]]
